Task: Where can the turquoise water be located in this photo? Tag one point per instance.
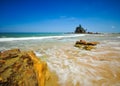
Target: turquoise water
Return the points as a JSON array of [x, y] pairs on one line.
[[18, 35]]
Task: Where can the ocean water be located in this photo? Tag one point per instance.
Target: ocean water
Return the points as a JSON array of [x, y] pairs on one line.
[[73, 66]]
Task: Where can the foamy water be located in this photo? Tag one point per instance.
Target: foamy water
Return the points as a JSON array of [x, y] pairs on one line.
[[76, 67]]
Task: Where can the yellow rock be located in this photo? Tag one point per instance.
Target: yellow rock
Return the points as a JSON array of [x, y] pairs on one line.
[[20, 68], [44, 76], [40, 69], [1, 79], [82, 44], [88, 47]]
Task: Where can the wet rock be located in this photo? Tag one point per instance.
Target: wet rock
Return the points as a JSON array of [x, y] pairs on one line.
[[9, 54], [92, 43], [2, 61], [19, 68], [82, 44], [14, 69], [88, 47]]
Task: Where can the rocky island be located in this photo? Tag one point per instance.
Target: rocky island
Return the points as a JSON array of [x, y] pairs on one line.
[[81, 30]]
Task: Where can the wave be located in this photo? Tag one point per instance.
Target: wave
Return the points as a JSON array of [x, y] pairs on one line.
[[39, 38]]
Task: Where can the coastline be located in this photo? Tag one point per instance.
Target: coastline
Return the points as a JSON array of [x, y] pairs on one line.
[[74, 66]]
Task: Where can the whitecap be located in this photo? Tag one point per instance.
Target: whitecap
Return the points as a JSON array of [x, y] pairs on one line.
[[39, 38]]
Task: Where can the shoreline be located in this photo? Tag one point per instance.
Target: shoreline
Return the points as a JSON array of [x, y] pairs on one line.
[[71, 66]]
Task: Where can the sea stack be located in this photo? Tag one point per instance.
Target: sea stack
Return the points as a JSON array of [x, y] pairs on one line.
[[80, 29]]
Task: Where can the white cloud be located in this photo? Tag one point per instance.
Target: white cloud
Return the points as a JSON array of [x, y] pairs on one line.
[[113, 27]]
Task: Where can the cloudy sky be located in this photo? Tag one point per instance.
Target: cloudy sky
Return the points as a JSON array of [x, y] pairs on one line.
[[59, 15]]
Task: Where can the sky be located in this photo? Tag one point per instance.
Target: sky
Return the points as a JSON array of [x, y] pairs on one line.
[[59, 15]]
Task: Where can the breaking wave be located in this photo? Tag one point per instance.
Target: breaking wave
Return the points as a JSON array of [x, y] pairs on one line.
[[39, 38]]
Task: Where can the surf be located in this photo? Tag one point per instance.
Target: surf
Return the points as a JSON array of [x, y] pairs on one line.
[[39, 38]]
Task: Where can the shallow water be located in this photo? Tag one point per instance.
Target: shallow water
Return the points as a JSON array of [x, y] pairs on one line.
[[73, 66]]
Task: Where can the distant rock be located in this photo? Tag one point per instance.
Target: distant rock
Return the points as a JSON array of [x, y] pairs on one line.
[[93, 33], [80, 29], [90, 32]]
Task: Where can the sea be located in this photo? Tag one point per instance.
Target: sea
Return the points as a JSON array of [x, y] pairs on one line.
[[73, 66]]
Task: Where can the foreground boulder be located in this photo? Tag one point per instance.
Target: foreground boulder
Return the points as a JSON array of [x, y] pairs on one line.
[[85, 45], [19, 68]]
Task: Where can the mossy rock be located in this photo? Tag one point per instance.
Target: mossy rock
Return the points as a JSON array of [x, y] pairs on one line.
[[79, 46], [82, 44], [88, 47]]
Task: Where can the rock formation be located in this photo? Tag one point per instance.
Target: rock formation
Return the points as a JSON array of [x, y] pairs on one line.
[[85, 45], [80, 29], [19, 68]]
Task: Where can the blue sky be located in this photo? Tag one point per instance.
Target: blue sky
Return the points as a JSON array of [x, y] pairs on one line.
[[59, 15]]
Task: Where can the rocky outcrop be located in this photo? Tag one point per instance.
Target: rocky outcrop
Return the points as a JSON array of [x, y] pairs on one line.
[[85, 45], [80, 29], [19, 68]]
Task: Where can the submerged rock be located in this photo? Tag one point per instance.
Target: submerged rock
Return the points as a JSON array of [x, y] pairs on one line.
[[85, 45], [19, 68]]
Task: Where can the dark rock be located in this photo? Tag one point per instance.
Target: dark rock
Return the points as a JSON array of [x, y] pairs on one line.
[[92, 43], [90, 32], [80, 29]]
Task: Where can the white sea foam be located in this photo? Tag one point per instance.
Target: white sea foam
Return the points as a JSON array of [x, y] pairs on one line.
[[114, 43], [79, 68], [99, 35], [117, 48], [37, 54], [39, 38]]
